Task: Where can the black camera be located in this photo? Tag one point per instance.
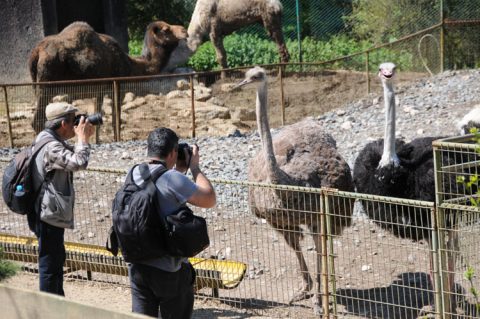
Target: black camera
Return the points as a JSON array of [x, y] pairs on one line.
[[181, 152], [94, 119]]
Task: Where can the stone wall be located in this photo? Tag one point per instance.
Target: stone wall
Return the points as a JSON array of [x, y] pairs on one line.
[[25, 22]]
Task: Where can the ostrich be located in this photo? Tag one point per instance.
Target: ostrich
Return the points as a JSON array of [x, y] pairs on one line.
[[301, 154], [470, 120], [391, 167]]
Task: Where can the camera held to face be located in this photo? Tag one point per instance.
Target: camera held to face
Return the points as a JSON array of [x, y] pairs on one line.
[[94, 119], [181, 153]]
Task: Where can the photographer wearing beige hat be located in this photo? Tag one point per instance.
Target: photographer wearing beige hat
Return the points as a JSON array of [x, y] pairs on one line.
[[53, 178]]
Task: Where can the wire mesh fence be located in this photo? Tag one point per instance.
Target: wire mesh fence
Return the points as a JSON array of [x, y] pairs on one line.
[[300, 249]]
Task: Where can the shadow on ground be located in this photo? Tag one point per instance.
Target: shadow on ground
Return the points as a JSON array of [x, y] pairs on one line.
[[404, 298]]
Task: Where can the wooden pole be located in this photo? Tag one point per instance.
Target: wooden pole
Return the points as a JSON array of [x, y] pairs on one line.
[[192, 93], [116, 112], [282, 99], [9, 124]]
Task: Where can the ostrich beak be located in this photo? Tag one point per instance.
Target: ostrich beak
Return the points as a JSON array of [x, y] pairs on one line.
[[240, 84]]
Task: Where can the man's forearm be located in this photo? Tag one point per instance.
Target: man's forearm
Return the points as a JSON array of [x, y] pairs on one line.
[[200, 179]]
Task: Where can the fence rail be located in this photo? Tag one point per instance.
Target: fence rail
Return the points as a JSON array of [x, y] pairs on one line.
[[362, 271]]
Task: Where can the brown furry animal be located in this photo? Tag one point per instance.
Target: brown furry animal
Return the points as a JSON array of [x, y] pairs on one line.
[[219, 18], [78, 52]]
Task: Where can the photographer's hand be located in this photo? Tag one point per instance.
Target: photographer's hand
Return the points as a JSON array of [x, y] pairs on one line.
[[205, 195], [84, 130], [194, 159]]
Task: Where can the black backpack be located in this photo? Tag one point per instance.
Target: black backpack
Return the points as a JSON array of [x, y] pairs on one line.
[[17, 183], [140, 232], [136, 222]]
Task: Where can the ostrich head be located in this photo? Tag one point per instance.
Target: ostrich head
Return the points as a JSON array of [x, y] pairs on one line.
[[386, 71], [254, 75]]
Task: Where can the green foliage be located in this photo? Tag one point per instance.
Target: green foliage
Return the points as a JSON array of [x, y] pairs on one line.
[[469, 274], [135, 47], [7, 268], [382, 21], [141, 13], [248, 49]]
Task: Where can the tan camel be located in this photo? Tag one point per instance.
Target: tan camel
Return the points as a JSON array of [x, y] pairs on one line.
[[219, 18], [78, 52]]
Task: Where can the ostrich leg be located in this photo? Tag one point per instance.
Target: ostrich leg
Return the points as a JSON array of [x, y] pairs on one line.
[[292, 236]]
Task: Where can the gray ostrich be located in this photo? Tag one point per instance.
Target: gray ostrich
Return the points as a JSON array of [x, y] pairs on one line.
[[301, 154]]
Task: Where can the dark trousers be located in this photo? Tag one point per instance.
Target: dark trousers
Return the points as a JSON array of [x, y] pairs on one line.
[[51, 257], [162, 294]]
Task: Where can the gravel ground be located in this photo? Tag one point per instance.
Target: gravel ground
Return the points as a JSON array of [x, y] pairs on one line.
[[429, 107]]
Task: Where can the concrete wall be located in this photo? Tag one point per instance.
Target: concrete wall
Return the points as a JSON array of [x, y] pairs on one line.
[[21, 26], [25, 304], [24, 23]]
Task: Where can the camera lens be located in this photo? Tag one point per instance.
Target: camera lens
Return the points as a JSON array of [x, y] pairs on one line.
[[94, 119]]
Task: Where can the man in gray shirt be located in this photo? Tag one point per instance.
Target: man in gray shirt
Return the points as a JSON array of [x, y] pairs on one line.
[[163, 287]]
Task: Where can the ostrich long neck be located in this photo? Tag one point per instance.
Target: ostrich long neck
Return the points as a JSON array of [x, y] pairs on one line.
[[389, 156], [264, 130]]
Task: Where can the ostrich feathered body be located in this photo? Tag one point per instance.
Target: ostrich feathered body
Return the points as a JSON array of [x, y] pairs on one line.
[[306, 156], [412, 179]]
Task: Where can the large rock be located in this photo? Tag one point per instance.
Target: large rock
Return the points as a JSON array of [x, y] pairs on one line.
[[244, 115]]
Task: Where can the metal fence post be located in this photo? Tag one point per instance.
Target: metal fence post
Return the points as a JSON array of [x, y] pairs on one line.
[[299, 36], [442, 37], [7, 110], [192, 93], [324, 244], [436, 265], [444, 302]]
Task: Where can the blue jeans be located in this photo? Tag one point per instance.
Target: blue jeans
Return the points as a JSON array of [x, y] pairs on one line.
[[51, 257], [162, 294]]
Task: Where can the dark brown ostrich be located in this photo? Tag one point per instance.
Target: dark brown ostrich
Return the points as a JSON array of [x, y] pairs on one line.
[[219, 18], [301, 154], [78, 52]]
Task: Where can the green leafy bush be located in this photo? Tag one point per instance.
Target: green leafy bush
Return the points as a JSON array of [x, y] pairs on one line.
[[250, 49], [7, 268], [135, 47]]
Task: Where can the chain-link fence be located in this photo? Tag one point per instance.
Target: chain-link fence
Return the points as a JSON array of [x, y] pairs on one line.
[[283, 254]]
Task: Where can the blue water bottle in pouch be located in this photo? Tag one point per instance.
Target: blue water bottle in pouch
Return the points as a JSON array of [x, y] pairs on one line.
[[19, 191]]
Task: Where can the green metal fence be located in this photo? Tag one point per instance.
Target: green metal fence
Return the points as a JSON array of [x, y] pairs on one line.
[[363, 271]]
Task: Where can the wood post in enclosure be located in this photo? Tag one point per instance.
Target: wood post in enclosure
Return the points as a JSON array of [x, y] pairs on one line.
[[116, 110], [282, 99], [7, 111], [192, 91]]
